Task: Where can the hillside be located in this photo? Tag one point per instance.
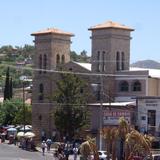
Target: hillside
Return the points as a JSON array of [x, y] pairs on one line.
[[146, 64]]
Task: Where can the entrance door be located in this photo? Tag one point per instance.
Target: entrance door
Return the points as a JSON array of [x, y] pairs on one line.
[[151, 121]]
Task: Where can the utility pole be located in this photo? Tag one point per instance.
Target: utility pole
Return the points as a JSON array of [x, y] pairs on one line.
[[101, 112]]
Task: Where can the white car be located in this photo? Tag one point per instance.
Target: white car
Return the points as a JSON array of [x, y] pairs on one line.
[[154, 157], [102, 155]]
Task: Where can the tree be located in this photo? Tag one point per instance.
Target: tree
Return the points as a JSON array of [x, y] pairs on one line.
[[71, 113], [11, 112], [8, 86], [137, 144]]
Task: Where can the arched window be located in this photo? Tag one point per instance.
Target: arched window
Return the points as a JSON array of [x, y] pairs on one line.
[[41, 90], [45, 62], [63, 59], [122, 60], [118, 61], [98, 55], [103, 61], [40, 63], [136, 86], [124, 87], [98, 62], [57, 59]]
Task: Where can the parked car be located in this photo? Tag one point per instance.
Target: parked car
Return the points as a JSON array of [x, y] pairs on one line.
[[154, 157], [102, 155]]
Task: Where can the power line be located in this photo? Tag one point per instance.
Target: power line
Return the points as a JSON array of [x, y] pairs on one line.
[[69, 72]]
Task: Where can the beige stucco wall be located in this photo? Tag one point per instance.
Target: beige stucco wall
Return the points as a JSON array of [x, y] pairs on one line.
[[153, 87]]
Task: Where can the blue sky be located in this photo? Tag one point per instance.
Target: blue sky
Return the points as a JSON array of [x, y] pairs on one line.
[[20, 18]]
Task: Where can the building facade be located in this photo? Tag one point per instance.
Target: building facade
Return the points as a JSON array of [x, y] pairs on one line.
[[108, 73]]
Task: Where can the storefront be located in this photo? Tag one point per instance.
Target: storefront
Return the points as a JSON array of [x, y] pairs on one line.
[[108, 114], [148, 110]]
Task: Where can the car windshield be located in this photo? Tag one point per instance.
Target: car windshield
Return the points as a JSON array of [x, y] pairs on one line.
[[102, 152]]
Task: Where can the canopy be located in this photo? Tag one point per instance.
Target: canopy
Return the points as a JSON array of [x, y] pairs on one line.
[[29, 135], [12, 129], [20, 134], [26, 128]]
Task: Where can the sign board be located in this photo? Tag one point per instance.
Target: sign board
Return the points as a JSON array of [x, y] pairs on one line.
[[111, 117]]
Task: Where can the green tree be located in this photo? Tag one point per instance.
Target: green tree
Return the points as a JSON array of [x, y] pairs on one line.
[[7, 112], [71, 113], [19, 117], [8, 86], [11, 112]]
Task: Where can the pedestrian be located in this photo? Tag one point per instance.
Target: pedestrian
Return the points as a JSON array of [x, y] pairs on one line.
[[66, 150], [75, 152], [43, 146], [48, 142]]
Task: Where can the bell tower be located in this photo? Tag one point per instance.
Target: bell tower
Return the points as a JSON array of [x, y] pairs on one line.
[[110, 47], [52, 49]]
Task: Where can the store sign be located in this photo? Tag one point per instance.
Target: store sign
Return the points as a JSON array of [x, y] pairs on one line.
[[111, 117]]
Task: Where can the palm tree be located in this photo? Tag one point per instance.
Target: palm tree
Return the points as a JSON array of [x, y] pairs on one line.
[[137, 144], [110, 135], [123, 129], [88, 147]]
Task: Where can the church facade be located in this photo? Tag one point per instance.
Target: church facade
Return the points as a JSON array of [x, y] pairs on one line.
[[108, 73]]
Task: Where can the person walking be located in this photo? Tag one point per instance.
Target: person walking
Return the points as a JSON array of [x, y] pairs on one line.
[[43, 146], [48, 142], [75, 152]]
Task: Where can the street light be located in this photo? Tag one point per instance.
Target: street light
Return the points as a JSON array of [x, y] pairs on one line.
[[24, 109]]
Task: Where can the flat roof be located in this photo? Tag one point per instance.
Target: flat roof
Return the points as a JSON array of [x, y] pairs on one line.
[[113, 104]]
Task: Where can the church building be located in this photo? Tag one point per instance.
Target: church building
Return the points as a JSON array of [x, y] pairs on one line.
[[109, 73]]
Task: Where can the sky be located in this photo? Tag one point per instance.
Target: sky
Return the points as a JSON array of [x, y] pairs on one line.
[[20, 18]]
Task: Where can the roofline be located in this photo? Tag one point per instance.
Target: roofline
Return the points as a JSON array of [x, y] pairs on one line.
[[100, 28], [47, 33], [146, 97]]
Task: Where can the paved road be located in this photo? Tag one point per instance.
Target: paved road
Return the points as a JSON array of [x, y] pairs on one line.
[[12, 152]]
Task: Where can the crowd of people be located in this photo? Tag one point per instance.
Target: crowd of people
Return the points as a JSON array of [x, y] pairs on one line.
[[62, 151]]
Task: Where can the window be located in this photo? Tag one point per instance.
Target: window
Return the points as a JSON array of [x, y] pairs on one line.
[[40, 64], [143, 117], [41, 89], [98, 55], [63, 59], [118, 61], [103, 61], [136, 86], [45, 63], [122, 61], [98, 61], [57, 59], [97, 90], [81, 90], [124, 86]]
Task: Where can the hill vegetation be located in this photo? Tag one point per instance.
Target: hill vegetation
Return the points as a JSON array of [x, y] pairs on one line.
[[23, 57]]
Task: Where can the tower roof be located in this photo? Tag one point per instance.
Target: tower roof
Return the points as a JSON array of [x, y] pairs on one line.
[[52, 31], [110, 24]]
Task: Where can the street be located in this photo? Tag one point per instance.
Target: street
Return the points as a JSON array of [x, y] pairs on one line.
[[12, 152]]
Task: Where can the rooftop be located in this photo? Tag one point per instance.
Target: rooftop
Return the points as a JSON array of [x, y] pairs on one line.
[[52, 31], [155, 73], [110, 24]]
